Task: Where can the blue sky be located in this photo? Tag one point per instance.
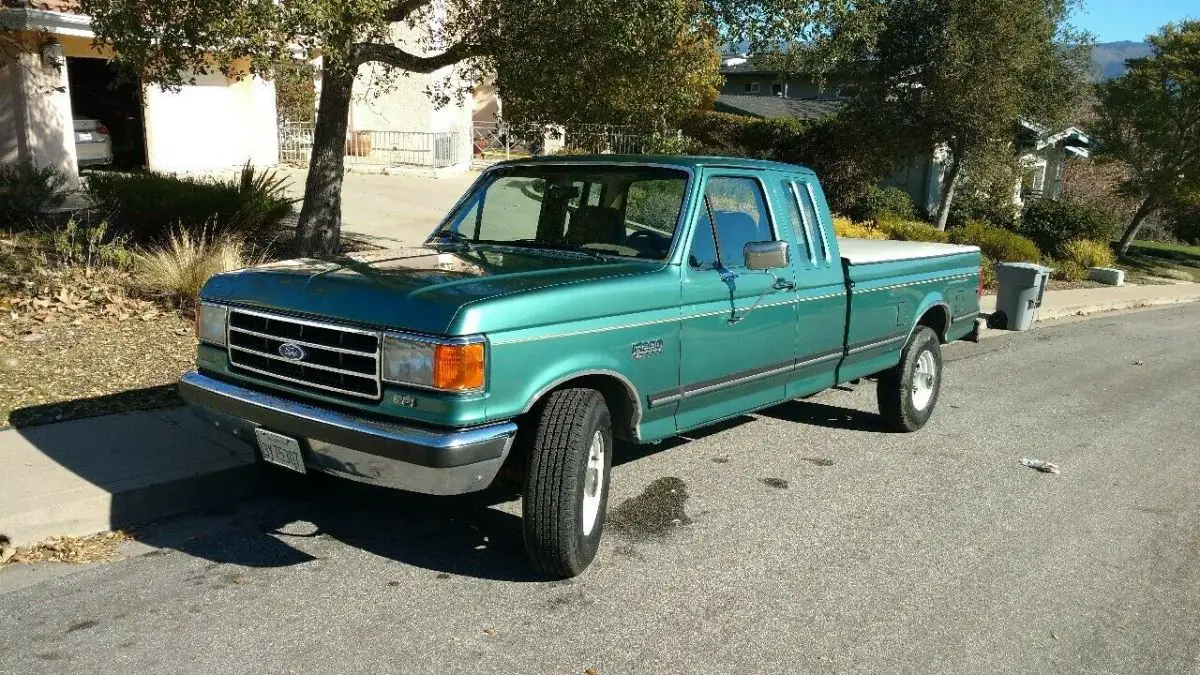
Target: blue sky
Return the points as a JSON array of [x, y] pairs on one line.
[[1113, 20]]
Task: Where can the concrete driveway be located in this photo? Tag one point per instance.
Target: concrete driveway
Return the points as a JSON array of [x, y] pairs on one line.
[[802, 539], [394, 209]]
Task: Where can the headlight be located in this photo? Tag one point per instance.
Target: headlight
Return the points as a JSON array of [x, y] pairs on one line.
[[447, 366], [210, 323]]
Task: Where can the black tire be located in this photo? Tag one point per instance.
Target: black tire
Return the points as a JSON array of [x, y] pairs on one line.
[[895, 388], [552, 510]]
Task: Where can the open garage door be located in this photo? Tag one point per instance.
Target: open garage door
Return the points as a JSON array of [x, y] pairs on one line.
[[100, 92]]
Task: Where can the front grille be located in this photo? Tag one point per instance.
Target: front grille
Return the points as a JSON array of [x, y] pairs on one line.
[[331, 358]]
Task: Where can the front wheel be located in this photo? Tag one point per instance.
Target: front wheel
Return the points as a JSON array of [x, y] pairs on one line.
[[566, 482], [908, 393]]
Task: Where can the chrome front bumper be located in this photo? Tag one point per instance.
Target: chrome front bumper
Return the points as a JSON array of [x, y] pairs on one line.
[[380, 453]]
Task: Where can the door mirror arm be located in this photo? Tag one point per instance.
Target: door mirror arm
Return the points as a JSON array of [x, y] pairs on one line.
[[765, 257]]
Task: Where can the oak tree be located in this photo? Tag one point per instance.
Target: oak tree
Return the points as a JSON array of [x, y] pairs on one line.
[[553, 61], [955, 74], [1150, 124]]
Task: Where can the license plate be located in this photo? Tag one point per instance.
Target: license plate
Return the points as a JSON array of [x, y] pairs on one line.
[[83, 137], [280, 449]]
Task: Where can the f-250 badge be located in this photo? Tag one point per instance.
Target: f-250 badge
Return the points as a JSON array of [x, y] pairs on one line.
[[646, 349]]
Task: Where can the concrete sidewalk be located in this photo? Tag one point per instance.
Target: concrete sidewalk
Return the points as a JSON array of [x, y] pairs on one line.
[[97, 474], [93, 475], [1084, 301]]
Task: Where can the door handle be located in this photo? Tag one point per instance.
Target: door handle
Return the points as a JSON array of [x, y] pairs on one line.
[[784, 285]]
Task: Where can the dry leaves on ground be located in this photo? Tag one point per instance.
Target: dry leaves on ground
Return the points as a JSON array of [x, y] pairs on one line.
[[74, 343], [95, 548]]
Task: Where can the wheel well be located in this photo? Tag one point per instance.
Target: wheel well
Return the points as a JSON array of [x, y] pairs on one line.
[[621, 401], [938, 319]]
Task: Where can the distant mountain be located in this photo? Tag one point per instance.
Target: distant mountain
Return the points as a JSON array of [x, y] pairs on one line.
[[1109, 57]]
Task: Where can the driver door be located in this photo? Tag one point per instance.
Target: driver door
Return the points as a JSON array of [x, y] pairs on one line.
[[733, 358]]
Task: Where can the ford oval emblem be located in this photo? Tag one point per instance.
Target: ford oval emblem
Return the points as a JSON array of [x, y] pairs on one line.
[[291, 352]]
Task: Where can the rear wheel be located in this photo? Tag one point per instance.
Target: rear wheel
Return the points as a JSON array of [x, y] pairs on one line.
[[566, 482], [908, 393]]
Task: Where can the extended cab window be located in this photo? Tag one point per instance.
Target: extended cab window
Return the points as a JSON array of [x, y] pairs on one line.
[[810, 217], [791, 198], [734, 213], [610, 210]]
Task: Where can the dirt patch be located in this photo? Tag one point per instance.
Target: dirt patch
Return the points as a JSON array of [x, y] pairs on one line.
[[818, 461], [74, 343], [657, 512], [95, 548], [777, 483]]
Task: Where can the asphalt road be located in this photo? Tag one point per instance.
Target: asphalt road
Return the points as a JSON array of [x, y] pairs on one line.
[[861, 551]]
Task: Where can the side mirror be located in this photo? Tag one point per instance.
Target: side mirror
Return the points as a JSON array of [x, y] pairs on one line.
[[767, 255]]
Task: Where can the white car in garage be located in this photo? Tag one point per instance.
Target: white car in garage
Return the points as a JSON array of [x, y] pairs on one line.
[[93, 145]]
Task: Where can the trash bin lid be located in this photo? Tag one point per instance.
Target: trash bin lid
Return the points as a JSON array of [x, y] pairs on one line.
[[1022, 273], [1033, 267]]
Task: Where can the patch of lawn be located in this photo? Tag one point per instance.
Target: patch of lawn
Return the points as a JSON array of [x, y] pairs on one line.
[[1153, 262]]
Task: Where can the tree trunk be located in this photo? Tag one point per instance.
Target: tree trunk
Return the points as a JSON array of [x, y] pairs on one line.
[[1145, 209], [950, 185], [319, 229]]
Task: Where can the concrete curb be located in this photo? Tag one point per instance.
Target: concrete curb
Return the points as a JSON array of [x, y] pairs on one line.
[[1052, 313], [87, 476]]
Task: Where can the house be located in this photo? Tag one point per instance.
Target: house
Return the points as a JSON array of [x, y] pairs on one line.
[[55, 74], [394, 124], [756, 91]]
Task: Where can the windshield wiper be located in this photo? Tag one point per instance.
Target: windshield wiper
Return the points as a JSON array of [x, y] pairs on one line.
[[549, 246], [451, 237]]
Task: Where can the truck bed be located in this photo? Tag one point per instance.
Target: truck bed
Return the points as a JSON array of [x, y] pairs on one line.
[[871, 251]]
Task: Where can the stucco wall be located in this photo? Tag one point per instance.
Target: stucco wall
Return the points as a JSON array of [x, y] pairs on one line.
[[212, 125], [11, 101], [35, 114]]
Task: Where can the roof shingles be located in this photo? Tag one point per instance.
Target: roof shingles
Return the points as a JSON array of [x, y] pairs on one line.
[[777, 106]]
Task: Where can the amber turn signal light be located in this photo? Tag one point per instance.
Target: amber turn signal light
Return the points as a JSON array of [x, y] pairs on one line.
[[458, 367]]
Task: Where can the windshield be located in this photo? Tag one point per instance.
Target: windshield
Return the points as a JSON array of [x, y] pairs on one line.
[[596, 209]]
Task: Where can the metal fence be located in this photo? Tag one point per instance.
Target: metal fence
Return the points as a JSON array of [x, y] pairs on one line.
[[498, 140], [375, 148], [616, 140]]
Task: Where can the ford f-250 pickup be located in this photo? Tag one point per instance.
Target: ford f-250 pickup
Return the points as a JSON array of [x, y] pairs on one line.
[[565, 303]]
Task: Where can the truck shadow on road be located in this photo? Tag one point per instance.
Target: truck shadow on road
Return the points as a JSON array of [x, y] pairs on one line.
[[475, 535], [463, 536], [821, 415]]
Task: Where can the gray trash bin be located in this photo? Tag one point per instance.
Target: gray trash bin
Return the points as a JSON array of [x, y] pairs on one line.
[[1021, 287]]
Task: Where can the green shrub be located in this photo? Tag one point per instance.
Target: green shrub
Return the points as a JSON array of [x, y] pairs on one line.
[[829, 146], [1183, 220], [80, 245], [878, 203], [848, 229], [1051, 224], [911, 230], [1089, 253], [996, 243], [147, 206], [1066, 270], [26, 191], [987, 270]]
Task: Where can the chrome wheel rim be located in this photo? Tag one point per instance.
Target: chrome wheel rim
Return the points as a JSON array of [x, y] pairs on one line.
[[923, 380], [593, 483]]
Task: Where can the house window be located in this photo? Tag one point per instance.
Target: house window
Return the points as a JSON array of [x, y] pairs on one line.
[[777, 89], [753, 87]]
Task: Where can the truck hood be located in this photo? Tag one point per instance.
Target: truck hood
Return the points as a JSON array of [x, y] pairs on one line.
[[420, 290]]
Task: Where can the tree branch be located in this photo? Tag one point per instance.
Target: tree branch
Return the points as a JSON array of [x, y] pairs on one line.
[[403, 9], [367, 52]]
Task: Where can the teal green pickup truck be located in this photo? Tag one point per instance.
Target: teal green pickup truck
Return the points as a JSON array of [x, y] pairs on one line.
[[564, 304]]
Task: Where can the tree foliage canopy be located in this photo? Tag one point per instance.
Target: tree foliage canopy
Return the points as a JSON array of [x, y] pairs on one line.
[[1150, 122], [958, 73], [554, 61]]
